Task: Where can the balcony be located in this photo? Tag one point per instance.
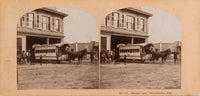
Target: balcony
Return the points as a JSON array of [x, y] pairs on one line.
[[123, 31], [38, 32]]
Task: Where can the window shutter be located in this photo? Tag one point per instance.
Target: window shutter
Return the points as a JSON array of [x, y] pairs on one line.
[[40, 22], [138, 24], [51, 23], [27, 19], [145, 25], [125, 21], [60, 26], [34, 20]]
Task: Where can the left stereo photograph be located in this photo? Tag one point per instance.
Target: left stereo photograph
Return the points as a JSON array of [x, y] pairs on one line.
[[57, 48]]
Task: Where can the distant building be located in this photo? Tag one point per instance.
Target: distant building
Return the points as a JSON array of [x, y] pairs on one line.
[[41, 26], [174, 46], [90, 46], [128, 25]]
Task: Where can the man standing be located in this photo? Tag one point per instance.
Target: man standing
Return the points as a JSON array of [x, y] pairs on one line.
[[28, 56], [124, 59], [175, 57], [23, 54], [41, 60], [113, 56], [92, 56]]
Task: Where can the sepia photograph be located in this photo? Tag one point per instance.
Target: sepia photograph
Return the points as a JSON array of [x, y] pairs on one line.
[[140, 49], [99, 47], [57, 48]]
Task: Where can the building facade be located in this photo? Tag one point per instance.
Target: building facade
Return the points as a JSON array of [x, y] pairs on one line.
[[128, 25], [41, 26]]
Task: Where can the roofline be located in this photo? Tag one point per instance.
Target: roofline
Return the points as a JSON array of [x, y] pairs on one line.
[[54, 11], [138, 11]]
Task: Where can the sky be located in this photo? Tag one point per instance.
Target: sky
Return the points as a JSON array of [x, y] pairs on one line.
[[163, 26], [79, 26]]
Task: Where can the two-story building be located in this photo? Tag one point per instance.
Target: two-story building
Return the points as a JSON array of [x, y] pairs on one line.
[[128, 25], [41, 26]]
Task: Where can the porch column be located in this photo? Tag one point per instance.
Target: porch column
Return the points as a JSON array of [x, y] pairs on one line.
[[24, 43], [61, 40], [47, 40], [108, 45], [132, 40]]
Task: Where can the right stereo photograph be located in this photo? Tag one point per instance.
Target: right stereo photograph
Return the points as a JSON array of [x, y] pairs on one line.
[[140, 49]]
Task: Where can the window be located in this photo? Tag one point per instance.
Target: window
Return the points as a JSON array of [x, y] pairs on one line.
[[53, 24], [141, 27], [45, 23], [22, 22], [30, 20], [38, 21], [107, 21], [57, 25], [115, 20], [130, 22], [122, 24]]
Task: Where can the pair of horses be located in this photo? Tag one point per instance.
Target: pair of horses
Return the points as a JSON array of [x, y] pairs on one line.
[[148, 49], [162, 54], [73, 55], [79, 55]]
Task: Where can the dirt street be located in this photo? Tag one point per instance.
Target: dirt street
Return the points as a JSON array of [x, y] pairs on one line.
[[58, 76], [141, 76]]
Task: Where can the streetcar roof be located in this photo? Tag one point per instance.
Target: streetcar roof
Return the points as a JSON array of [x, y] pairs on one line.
[[50, 45], [62, 44], [140, 44]]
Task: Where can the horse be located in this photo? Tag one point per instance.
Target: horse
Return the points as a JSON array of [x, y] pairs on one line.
[[162, 54], [148, 48], [79, 55]]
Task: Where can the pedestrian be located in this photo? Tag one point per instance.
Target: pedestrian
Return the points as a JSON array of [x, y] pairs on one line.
[[175, 57], [28, 56], [116, 54], [113, 56], [92, 56], [23, 54], [19, 57], [108, 55], [103, 56], [41, 60], [124, 59]]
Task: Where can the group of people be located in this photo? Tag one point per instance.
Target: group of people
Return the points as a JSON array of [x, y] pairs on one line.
[[24, 57], [108, 56]]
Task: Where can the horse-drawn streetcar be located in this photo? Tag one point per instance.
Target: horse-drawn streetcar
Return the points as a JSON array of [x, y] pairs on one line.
[[135, 52], [55, 52], [142, 52], [51, 52]]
